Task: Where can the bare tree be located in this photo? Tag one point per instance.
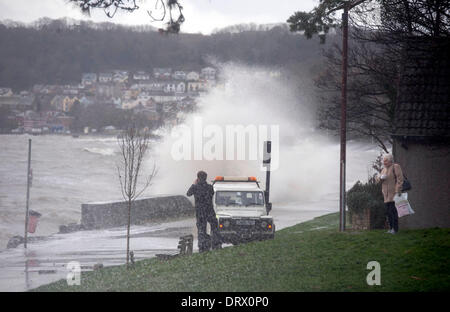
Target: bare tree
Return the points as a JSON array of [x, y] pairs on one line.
[[373, 73], [382, 30], [133, 145]]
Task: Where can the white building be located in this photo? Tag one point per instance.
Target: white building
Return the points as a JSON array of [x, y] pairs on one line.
[[105, 77], [196, 86], [151, 85], [179, 75], [120, 76], [141, 75], [208, 73], [170, 86], [88, 79], [180, 87], [162, 73], [192, 76]]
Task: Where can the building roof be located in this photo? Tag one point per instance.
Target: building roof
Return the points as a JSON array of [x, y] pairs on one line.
[[5, 91], [160, 70], [423, 100], [89, 76], [107, 75]]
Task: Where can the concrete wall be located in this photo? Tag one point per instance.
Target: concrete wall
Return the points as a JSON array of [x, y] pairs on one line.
[[428, 169], [112, 214]]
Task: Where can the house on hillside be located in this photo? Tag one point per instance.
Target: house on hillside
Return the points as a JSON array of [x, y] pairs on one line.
[[47, 89], [165, 97], [151, 85], [105, 77], [196, 86], [6, 92], [179, 75], [17, 102], [120, 76], [422, 134], [141, 76], [192, 76], [88, 79], [170, 86], [32, 120], [68, 103], [86, 100], [162, 73], [57, 103], [176, 86], [208, 73], [70, 90]]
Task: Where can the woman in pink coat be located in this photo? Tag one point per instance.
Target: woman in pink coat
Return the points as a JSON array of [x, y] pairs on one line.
[[391, 177]]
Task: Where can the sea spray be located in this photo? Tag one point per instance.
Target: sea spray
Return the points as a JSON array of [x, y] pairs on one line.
[[248, 96]]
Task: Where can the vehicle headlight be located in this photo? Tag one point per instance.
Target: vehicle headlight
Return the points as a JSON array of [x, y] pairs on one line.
[[223, 223], [266, 224]]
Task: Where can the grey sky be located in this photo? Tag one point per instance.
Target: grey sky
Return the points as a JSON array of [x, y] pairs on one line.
[[201, 15]]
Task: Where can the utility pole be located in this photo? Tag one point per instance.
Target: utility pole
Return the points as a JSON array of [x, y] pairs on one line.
[[346, 6], [28, 192], [342, 199]]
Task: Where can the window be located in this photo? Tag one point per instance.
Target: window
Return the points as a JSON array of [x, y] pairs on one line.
[[242, 198]]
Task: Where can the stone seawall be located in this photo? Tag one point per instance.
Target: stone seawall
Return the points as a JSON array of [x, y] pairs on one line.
[[113, 214]]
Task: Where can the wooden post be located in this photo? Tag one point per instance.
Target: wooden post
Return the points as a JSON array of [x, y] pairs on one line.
[[190, 245], [28, 193], [186, 244], [343, 117]]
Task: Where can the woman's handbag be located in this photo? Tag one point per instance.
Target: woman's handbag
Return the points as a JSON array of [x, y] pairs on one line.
[[406, 186]]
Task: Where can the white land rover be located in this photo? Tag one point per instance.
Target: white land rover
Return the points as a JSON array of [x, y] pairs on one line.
[[241, 210]]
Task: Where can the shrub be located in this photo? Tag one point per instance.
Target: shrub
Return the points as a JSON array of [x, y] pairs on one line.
[[367, 196]]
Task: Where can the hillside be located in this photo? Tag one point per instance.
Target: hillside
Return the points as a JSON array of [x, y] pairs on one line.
[[59, 51]]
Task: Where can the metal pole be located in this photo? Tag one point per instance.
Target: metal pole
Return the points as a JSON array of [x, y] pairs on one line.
[[267, 183], [342, 201], [28, 192], [266, 162], [27, 279]]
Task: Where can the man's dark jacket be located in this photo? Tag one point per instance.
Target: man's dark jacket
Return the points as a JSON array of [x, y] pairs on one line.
[[203, 194]]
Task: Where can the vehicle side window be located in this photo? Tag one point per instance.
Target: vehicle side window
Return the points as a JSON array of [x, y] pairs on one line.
[[241, 198]]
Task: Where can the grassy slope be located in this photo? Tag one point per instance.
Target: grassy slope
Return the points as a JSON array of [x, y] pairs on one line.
[[311, 256]]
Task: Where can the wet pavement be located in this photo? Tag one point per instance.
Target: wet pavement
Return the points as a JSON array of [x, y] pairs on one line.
[[46, 260]]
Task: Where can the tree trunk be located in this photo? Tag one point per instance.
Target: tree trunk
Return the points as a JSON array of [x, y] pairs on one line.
[[128, 231]]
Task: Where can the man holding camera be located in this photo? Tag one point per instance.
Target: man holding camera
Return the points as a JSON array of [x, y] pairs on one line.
[[204, 212]]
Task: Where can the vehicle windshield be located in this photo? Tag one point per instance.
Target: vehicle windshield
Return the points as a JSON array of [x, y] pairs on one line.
[[241, 198]]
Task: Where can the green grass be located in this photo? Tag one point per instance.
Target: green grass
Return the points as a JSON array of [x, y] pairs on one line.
[[311, 256]]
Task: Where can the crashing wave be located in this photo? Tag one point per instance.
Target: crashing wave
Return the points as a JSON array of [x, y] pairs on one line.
[[101, 151]]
